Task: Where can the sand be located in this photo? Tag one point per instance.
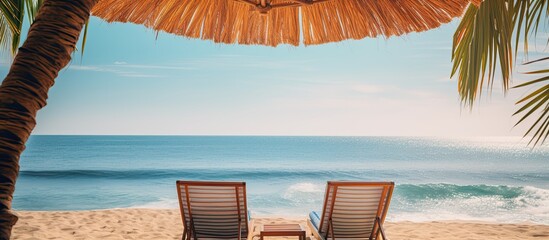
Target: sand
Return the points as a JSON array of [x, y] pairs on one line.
[[166, 224]]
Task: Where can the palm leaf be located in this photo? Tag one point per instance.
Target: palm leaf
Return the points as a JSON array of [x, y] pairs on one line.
[[5, 35], [32, 8], [529, 15], [536, 102], [84, 38], [527, 19], [11, 15], [16, 35], [482, 42]]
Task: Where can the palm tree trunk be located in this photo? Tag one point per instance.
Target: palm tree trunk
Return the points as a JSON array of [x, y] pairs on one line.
[[50, 42]]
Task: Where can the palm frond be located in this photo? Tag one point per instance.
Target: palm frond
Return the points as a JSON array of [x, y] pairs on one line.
[[529, 16], [84, 38], [527, 19], [482, 42], [16, 34], [536, 102], [5, 35], [11, 13], [32, 8]]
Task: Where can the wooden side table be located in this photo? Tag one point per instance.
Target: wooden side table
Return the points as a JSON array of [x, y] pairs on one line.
[[282, 230]]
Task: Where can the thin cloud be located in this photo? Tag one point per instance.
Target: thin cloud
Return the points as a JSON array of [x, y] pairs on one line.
[[163, 67], [248, 62], [366, 88], [111, 69], [137, 75]]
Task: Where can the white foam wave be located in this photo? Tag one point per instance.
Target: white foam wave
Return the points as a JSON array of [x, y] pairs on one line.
[[537, 204], [532, 205], [304, 192], [305, 187]]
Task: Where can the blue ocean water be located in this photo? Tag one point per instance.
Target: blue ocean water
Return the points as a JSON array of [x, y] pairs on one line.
[[491, 179]]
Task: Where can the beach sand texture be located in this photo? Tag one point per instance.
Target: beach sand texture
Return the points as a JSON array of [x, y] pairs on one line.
[[166, 224]]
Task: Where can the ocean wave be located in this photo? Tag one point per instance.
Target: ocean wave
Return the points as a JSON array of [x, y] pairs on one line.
[[429, 202], [194, 174], [443, 191], [292, 175]]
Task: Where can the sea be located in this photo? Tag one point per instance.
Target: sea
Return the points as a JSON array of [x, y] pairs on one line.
[[479, 179]]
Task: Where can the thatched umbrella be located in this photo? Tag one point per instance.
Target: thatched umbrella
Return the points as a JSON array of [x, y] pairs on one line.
[[55, 31], [273, 22]]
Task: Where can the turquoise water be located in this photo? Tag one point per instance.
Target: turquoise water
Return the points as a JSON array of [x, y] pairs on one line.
[[493, 179]]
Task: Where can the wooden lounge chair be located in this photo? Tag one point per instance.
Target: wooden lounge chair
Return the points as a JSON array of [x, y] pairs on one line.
[[352, 210], [213, 210]]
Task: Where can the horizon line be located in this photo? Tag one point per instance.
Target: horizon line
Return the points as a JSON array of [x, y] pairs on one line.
[[268, 135]]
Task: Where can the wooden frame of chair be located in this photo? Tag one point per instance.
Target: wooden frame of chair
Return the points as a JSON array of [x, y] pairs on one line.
[[331, 199], [202, 197]]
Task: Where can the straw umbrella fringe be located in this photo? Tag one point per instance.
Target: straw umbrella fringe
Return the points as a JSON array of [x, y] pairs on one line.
[[274, 22], [47, 49]]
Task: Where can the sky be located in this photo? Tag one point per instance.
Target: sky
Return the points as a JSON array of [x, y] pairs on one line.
[[131, 82]]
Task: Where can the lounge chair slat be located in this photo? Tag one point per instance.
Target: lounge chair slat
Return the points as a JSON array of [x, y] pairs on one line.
[[216, 216], [214, 192], [362, 196], [359, 193], [355, 205], [352, 235], [351, 227], [206, 229], [215, 208], [221, 190], [355, 232], [212, 204], [357, 201], [216, 222], [216, 213], [216, 234], [216, 238], [224, 228], [350, 222], [371, 215], [220, 200], [359, 210], [214, 197]]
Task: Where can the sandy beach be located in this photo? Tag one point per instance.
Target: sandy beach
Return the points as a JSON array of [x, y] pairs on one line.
[[166, 224]]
